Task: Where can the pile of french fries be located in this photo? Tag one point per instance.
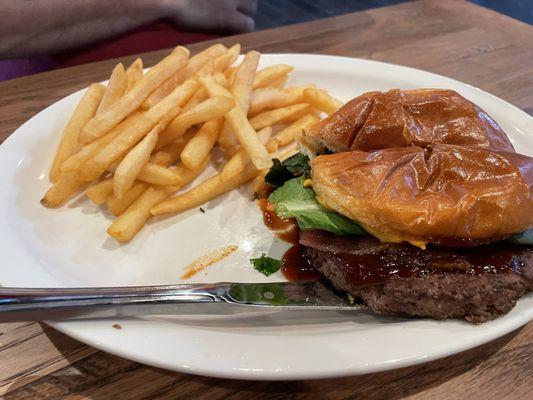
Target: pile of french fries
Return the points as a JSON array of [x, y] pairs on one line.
[[134, 144]]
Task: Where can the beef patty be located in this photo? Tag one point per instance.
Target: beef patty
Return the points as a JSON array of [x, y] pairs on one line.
[[477, 284]]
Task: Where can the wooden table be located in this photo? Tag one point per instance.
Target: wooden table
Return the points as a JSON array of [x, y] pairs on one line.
[[454, 38]]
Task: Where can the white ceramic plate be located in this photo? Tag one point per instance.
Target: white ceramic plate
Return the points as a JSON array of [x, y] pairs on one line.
[[69, 247]]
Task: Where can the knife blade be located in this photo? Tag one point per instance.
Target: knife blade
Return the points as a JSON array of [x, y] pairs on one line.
[[25, 304]]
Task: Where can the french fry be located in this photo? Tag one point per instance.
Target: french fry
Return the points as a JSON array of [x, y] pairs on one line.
[[158, 175], [168, 155], [125, 227], [201, 144], [241, 89], [207, 190], [118, 205], [99, 192], [211, 108], [134, 73], [74, 162], [225, 60], [100, 124], [321, 100], [270, 74], [116, 87], [279, 83], [291, 132], [135, 160], [239, 123], [194, 65], [269, 98], [259, 186], [68, 144], [66, 185], [164, 158], [201, 95], [163, 112], [240, 160], [272, 117], [230, 75]]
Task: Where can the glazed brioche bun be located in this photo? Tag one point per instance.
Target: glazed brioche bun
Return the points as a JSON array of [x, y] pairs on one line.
[[400, 118], [468, 194]]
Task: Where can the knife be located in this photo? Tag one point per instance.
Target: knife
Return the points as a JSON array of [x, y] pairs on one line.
[[22, 304]]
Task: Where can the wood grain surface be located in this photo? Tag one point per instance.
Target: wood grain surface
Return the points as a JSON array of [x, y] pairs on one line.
[[454, 38]]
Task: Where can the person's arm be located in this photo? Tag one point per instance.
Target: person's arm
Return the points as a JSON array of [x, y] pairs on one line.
[[36, 27]]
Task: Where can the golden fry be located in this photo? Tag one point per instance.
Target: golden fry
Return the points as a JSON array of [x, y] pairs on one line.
[[225, 60], [241, 89], [321, 100], [240, 160], [207, 190], [194, 64], [99, 125], [125, 227], [239, 123], [201, 144], [230, 75], [292, 132], [168, 155], [273, 117], [279, 83], [133, 163], [116, 87], [118, 205], [68, 144], [159, 175], [74, 162], [99, 192], [201, 95], [270, 74], [66, 185], [163, 158], [134, 73], [211, 108], [270, 97]]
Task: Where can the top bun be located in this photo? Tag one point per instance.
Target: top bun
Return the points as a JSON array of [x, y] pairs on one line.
[[400, 118]]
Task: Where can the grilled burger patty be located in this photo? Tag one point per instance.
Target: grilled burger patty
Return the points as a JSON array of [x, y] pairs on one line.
[[477, 284]]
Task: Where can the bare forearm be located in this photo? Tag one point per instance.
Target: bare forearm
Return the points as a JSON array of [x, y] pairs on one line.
[[34, 27]]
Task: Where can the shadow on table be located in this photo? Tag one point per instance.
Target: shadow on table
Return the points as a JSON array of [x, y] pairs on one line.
[[101, 376]]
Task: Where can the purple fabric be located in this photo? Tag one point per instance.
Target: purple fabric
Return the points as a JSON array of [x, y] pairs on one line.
[[15, 68]]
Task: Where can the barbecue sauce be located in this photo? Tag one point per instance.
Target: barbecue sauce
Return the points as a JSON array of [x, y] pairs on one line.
[[285, 229], [407, 261], [295, 266]]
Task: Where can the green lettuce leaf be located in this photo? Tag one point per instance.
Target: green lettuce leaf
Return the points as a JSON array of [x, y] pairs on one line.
[[293, 200], [294, 166], [266, 265]]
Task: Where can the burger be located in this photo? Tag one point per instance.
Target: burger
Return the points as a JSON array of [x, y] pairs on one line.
[[414, 202]]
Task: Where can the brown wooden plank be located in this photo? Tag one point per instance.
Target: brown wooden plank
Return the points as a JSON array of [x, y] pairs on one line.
[[454, 38]]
